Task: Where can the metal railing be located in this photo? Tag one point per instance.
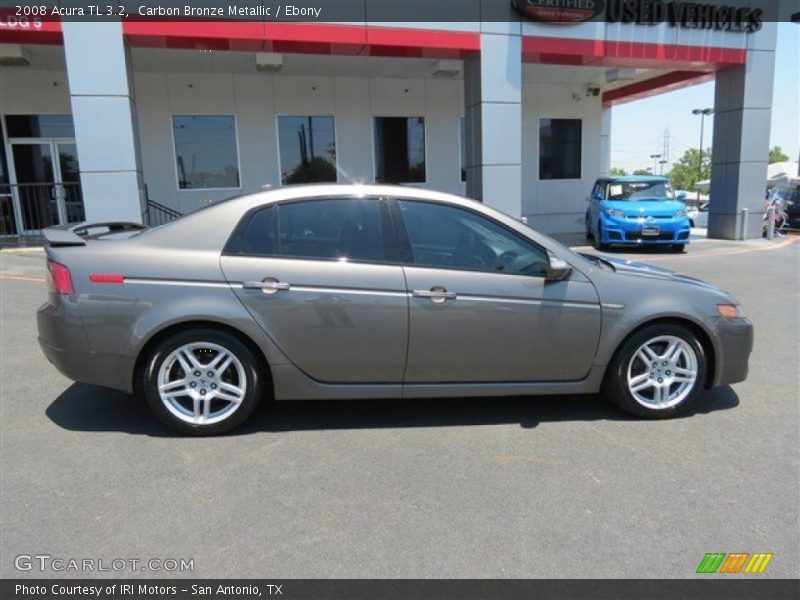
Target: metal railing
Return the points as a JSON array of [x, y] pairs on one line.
[[40, 205], [8, 222], [157, 214]]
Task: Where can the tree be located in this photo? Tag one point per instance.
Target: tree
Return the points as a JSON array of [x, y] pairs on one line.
[[642, 172], [691, 168], [617, 172], [316, 169], [776, 155]]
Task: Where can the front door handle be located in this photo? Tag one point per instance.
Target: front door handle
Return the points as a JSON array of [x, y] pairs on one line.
[[436, 294], [268, 285]]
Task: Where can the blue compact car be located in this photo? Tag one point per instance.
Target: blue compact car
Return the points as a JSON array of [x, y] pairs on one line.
[[636, 211]]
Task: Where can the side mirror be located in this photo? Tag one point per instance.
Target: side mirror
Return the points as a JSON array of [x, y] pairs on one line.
[[597, 196], [557, 269]]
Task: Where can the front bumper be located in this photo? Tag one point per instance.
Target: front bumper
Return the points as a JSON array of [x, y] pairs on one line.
[[643, 233], [734, 343], [63, 341]]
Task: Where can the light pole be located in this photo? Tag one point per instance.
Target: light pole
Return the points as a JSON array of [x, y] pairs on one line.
[[662, 162], [655, 158], [796, 19], [703, 112]]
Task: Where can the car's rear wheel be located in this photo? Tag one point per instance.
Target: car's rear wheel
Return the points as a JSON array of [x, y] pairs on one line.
[[658, 372], [203, 382]]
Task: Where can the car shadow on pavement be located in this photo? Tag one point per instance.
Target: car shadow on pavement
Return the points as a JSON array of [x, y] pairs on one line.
[[93, 409]]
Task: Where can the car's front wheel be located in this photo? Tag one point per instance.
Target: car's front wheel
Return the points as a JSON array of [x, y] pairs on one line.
[[678, 248], [203, 381], [658, 372]]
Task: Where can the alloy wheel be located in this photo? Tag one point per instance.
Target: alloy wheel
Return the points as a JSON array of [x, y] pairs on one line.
[[662, 372], [202, 383]]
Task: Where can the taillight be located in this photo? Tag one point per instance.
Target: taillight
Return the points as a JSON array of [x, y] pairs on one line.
[[59, 280]]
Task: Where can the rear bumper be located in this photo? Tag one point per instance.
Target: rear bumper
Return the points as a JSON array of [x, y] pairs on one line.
[[734, 345], [63, 342]]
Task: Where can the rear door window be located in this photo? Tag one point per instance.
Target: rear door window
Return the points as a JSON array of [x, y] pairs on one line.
[[335, 229], [325, 229]]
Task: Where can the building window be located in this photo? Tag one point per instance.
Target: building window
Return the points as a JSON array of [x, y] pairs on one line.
[[205, 151], [307, 147], [400, 149], [559, 149], [40, 126]]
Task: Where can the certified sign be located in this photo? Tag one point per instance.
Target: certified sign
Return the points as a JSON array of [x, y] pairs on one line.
[[559, 11]]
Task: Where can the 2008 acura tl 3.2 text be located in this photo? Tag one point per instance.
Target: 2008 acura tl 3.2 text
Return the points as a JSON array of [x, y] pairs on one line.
[[347, 291]]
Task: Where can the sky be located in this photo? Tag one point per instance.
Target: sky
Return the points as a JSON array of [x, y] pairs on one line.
[[637, 128]]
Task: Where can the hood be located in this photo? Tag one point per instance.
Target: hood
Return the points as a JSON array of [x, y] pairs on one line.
[[644, 208], [629, 267]]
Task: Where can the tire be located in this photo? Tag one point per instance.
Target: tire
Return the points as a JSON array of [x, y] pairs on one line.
[[678, 248], [598, 242], [628, 373], [226, 407], [589, 234]]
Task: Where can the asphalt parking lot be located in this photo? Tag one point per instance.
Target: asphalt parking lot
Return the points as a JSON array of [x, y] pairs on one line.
[[523, 487]]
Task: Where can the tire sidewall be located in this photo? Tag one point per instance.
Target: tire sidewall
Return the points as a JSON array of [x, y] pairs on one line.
[[253, 376], [616, 384]]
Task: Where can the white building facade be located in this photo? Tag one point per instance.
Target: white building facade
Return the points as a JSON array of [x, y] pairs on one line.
[[109, 121]]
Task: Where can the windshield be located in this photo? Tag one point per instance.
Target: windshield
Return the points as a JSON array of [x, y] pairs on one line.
[[639, 190]]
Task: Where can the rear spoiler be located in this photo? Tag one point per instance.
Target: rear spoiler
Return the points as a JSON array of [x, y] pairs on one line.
[[76, 234]]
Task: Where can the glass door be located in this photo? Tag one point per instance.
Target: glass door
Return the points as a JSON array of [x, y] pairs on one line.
[[36, 193], [48, 183], [69, 193]]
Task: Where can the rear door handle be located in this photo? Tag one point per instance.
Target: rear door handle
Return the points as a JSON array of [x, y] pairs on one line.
[[436, 294], [268, 285]]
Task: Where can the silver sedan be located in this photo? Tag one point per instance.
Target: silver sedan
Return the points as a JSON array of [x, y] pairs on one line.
[[348, 291]]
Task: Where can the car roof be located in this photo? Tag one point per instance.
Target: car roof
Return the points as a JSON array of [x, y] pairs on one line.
[[315, 190], [224, 214], [632, 178]]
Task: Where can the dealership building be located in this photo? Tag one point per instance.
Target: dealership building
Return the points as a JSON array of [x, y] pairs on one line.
[[143, 119]]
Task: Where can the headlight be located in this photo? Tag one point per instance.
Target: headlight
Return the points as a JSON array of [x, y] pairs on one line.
[[730, 311], [614, 213], [680, 213]]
